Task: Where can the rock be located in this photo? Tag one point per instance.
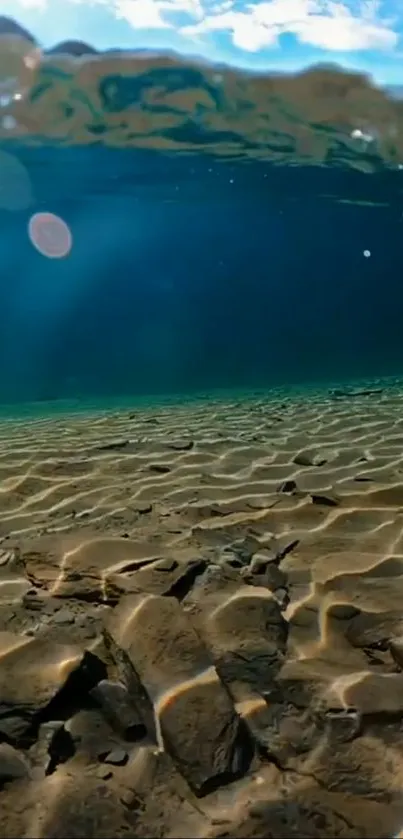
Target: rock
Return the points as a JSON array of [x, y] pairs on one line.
[[213, 575], [338, 393], [247, 636], [159, 468], [33, 601], [260, 561], [309, 459], [274, 577], [369, 629], [54, 745], [87, 586], [12, 764], [92, 735], [118, 757], [282, 546], [119, 710], [38, 677], [270, 576], [181, 445], [143, 507], [173, 579], [287, 486], [63, 617], [232, 560], [167, 565], [327, 499], [342, 724], [282, 597], [113, 446], [170, 674], [41, 564], [264, 571], [61, 748], [341, 393], [243, 548]]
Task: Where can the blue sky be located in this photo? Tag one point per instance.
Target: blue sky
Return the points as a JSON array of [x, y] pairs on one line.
[[283, 35]]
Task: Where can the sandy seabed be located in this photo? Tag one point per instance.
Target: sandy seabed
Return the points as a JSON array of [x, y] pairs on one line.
[[201, 620]]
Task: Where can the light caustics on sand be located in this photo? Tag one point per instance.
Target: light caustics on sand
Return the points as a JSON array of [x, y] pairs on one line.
[[50, 235]]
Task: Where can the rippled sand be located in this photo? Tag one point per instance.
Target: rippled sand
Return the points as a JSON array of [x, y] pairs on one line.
[[201, 625]]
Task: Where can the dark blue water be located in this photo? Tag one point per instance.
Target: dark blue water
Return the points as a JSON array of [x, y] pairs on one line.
[[195, 267], [220, 275]]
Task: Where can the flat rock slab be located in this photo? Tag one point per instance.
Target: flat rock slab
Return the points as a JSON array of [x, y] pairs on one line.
[[177, 688], [247, 634], [84, 564], [164, 577], [33, 671]]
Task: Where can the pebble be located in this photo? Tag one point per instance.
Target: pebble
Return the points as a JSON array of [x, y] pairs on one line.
[[32, 601], [117, 757], [143, 507]]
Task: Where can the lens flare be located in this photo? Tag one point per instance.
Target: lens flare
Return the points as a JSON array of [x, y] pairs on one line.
[[50, 235]]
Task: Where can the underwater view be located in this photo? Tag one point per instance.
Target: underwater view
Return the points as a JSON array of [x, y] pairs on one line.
[[201, 421]]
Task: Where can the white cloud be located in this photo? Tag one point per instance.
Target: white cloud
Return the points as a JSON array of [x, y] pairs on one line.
[[331, 25], [142, 14], [342, 31], [40, 5], [320, 23], [151, 14]]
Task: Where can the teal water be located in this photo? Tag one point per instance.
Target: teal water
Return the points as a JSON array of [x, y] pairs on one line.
[[232, 250]]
